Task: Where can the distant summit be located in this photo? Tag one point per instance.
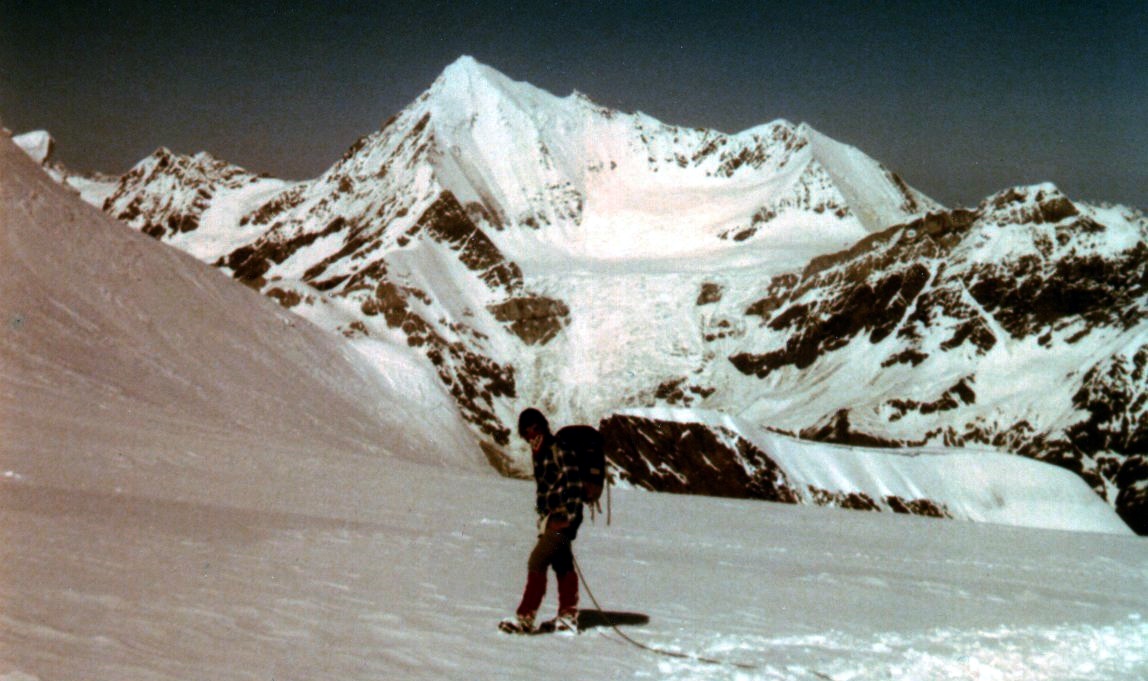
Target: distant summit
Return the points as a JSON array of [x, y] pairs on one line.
[[38, 144]]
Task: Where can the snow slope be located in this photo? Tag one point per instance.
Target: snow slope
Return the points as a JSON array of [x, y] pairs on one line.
[[140, 365]]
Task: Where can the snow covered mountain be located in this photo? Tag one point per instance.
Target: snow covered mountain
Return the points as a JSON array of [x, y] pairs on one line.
[[544, 250], [431, 229], [1022, 325], [38, 144], [166, 194]]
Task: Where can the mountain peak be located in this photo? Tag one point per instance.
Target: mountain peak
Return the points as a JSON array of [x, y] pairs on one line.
[[1038, 203], [38, 144], [466, 73], [1043, 191], [467, 87], [461, 71], [464, 64]]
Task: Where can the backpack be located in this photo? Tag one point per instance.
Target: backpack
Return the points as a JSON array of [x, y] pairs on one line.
[[588, 448]]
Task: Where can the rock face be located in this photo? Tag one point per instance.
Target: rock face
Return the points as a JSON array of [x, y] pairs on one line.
[[692, 458], [713, 460], [547, 251], [536, 320]]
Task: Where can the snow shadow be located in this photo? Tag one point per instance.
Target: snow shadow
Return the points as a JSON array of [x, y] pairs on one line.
[[593, 619]]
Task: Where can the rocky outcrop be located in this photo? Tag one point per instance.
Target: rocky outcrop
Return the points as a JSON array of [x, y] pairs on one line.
[[534, 319], [447, 222], [691, 458], [1132, 500]]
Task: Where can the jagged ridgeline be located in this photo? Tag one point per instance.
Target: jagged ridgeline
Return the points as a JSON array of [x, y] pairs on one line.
[[548, 251]]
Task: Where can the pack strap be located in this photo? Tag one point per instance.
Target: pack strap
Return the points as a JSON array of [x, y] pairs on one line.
[[596, 505], [608, 509]]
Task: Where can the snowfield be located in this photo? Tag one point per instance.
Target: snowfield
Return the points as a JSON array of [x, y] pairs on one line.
[[196, 484], [383, 569]]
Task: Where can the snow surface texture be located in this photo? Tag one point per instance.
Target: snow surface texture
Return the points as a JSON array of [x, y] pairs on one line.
[[402, 571], [198, 485]]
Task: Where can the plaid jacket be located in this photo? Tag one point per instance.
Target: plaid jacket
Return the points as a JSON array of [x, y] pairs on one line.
[[559, 483]]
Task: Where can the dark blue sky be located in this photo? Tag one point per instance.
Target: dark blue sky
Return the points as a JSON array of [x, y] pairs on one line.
[[961, 98]]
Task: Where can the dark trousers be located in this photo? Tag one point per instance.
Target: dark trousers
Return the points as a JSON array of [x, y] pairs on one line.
[[553, 550]]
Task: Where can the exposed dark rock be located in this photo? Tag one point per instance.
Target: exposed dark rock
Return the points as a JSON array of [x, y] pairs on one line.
[[1132, 501], [534, 319], [250, 263], [826, 325], [910, 204], [1032, 295], [475, 381], [330, 283], [1047, 207], [857, 501], [710, 293], [676, 391], [287, 299], [910, 356], [279, 204], [925, 507], [1115, 396], [718, 328], [448, 222], [960, 393], [356, 329], [690, 458], [779, 290], [837, 429], [693, 458], [180, 224], [671, 391]]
